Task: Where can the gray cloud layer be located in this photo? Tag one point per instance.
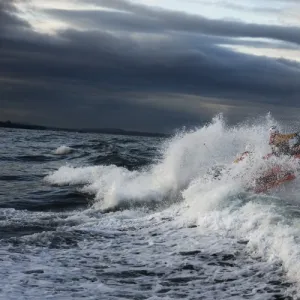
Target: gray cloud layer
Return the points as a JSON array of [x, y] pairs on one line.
[[139, 18], [172, 74]]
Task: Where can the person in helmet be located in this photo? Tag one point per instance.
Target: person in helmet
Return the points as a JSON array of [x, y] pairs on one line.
[[280, 143]]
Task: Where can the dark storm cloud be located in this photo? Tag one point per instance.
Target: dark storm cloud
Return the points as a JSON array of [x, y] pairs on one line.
[[174, 64], [140, 18], [9, 19], [103, 79]]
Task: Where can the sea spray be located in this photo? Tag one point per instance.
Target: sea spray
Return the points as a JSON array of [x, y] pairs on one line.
[[185, 158], [222, 205]]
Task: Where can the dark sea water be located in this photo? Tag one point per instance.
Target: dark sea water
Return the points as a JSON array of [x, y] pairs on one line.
[[92, 216]]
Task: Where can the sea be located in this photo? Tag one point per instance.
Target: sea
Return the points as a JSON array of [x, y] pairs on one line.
[[95, 216]]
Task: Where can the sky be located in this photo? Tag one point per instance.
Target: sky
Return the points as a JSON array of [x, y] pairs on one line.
[[148, 65]]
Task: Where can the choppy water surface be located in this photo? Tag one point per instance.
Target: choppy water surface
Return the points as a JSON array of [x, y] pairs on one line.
[[91, 216]]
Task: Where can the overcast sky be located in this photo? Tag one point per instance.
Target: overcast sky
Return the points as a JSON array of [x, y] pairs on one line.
[[151, 65]]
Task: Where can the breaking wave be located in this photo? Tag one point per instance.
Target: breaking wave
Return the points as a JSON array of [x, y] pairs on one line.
[[63, 150], [196, 172], [185, 158]]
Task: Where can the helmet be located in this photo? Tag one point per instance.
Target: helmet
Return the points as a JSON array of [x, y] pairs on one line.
[[273, 129]]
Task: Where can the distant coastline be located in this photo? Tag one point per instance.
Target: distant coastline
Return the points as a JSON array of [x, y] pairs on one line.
[[115, 131]]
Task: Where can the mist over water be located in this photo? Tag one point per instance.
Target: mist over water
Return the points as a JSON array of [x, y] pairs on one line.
[[163, 218]]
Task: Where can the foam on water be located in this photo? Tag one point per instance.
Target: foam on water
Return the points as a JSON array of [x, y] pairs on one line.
[[185, 157], [63, 150], [130, 254], [220, 206]]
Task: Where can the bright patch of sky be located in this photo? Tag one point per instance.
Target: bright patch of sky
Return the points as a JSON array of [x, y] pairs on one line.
[[290, 54], [249, 11], [33, 12]]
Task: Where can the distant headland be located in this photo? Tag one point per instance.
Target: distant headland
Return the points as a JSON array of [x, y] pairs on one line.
[[115, 131]]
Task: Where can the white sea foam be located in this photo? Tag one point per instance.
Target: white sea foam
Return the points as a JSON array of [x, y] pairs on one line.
[[221, 206], [186, 157], [63, 150]]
